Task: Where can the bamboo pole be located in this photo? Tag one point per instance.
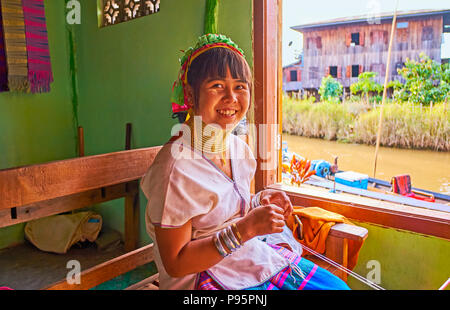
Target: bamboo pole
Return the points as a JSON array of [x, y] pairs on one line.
[[380, 122]]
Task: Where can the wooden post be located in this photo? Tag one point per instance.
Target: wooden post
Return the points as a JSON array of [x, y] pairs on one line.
[[265, 50], [132, 206], [128, 137], [132, 209], [337, 250], [80, 141]]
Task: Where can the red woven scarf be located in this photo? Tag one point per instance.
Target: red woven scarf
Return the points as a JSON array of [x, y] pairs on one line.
[[39, 66]]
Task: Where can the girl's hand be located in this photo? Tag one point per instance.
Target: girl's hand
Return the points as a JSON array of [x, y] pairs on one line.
[[267, 219], [279, 198]]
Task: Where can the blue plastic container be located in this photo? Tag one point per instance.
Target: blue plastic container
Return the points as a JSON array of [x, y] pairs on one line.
[[353, 179]]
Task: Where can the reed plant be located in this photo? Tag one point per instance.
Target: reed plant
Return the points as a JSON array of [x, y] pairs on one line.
[[326, 120], [404, 125]]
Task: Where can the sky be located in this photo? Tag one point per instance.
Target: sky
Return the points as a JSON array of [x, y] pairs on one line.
[[297, 12]]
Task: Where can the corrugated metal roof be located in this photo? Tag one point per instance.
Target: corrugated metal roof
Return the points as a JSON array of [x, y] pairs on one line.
[[366, 18], [298, 63]]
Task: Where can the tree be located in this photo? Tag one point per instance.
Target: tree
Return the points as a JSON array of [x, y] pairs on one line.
[[366, 85], [397, 88], [445, 81], [425, 81], [330, 89]]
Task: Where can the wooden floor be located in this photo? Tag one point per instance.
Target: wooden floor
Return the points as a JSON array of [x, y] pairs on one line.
[[24, 267]]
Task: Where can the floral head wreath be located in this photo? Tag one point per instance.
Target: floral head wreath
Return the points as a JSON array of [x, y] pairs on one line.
[[204, 43]]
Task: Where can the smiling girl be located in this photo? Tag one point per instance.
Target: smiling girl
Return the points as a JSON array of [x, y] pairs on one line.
[[200, 213]]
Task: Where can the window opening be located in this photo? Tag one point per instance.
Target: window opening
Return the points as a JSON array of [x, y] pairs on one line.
[[293, 75], [118, 11], [355, 70], [334, 71], [355, 39]]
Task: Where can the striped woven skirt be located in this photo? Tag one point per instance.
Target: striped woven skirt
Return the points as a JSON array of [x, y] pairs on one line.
[[311, 277]]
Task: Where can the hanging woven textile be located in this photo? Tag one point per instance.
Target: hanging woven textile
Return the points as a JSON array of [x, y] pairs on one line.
[[3, 67], [15, 45], [39, 67]]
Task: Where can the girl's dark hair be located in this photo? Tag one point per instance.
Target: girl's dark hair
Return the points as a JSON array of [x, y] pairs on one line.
[[214, 63]]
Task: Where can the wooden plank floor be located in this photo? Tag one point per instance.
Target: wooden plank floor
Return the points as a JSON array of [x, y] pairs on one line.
[[24, 267]]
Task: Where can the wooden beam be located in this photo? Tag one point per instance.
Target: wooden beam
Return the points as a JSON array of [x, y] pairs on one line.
[[265, 54], [64, 204], [108, 270], [351, 232], [35, 183], [146, 284], [419, 220]]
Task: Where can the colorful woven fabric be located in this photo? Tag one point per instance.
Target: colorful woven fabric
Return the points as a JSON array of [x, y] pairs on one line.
[[313, 278], [39, 67], [3, 67], [15, 45]]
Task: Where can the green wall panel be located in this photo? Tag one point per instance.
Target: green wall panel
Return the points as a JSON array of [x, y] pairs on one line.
[[408, 261], [36, 128]]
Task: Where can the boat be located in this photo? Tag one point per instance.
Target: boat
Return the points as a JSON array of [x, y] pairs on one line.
[[328, 176]]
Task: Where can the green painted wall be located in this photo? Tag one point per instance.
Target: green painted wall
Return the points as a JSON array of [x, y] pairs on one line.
[[125, 74], [408, 261], [126, 71], [36, 128]]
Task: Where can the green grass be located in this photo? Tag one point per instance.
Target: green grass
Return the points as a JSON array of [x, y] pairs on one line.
[[403, 125]]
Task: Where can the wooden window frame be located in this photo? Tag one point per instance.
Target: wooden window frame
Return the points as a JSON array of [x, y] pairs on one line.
[[267, 99]]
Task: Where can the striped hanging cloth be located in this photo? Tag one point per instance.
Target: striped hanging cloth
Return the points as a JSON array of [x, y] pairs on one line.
[[39, 66], [3, 66], [15, 45]]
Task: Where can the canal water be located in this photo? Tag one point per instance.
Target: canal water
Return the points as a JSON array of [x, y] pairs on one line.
[[428, 169]]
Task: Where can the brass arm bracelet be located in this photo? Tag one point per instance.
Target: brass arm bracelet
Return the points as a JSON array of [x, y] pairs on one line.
[[236, 232], [233, 238], [227, 240], [219, 246]]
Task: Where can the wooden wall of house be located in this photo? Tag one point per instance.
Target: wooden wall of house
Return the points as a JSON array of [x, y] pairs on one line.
[[331, 46]]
